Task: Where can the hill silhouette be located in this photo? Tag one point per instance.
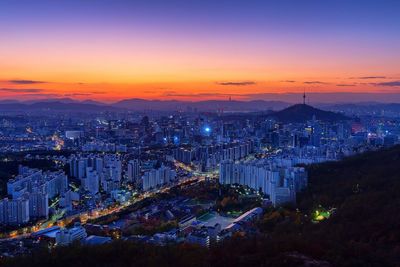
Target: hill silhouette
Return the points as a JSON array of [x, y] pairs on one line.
[[204, 105], [136, 104], [303, 113], [57, 106]]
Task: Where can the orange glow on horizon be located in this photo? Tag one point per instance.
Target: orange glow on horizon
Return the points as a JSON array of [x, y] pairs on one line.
[[244, 89]]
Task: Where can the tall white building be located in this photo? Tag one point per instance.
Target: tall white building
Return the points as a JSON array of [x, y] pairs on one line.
[[279, 183], [23, 182], [157, 177], [14, 211], [38, 205], [112, 167], [30, 192], [92, 181], [78, 165], [133, 170], [56, 183]]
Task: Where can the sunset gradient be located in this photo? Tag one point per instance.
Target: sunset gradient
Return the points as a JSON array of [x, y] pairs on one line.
[[192, 50]]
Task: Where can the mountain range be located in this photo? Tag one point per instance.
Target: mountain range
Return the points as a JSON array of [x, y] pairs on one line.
[[206, 105], [226, 106], [55, 107], [137, 104]]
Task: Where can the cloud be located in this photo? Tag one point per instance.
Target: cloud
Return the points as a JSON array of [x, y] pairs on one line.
[[369, 77], [170, 93], [345, 84], [98, 92], [151, 92], [314, 82], [42, 95], [241, 83], [392, 83], [288, 81], [77, 94], [84, 94], [25, 81], [176, 94], [15, 90]]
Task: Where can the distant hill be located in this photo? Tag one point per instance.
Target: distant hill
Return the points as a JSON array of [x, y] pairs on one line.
[[144, 104], [387, 109], [283, 111], [302, 113], [137, 104], [44, 100], [89, 101], [206, 105], [8, 101], [56, 106]]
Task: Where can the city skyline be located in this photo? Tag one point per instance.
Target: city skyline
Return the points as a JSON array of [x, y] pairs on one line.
[[199, 133], [199, 50]]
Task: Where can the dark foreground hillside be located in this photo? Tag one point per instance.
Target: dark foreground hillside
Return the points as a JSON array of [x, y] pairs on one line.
[[364, 229]]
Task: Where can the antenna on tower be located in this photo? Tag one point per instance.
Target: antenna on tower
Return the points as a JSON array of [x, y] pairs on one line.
[[304, 97]]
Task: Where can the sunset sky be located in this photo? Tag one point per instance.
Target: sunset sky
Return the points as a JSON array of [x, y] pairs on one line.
[[192, 50]]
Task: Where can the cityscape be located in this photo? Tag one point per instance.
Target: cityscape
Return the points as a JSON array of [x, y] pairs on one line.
[[141, 142]]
